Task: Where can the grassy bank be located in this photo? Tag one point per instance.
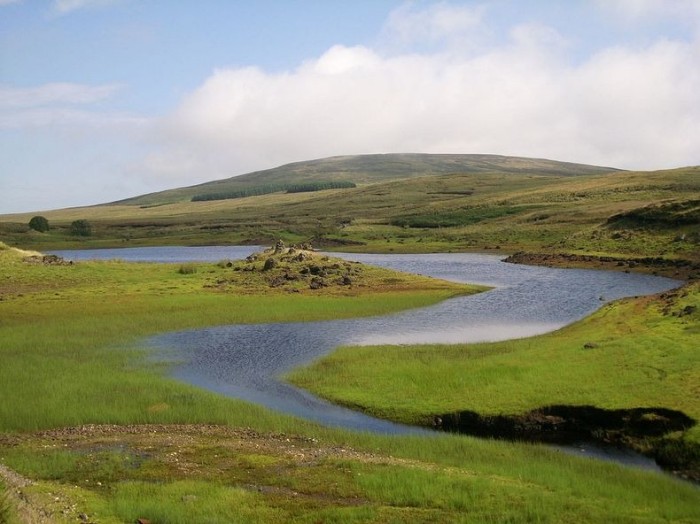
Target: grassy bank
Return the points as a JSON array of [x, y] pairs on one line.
[[631, 354], [70, 332], [99, 432]]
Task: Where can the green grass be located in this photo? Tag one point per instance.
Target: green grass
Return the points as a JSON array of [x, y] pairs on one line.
[[70, 332], [410, 207], [6, 512], [219, 475], [71, 358], [632, 353]]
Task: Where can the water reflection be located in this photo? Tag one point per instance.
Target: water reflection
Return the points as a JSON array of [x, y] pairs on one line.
[[245, 361]]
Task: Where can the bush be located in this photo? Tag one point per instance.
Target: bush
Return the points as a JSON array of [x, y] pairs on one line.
[[81, 228], [39, 223]]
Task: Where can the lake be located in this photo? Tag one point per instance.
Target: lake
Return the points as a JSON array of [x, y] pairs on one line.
[[245, 361]]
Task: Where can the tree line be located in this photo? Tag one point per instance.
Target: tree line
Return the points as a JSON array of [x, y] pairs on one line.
[[299, 187]]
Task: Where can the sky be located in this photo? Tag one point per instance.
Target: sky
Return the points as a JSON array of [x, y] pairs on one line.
[[102, 100]]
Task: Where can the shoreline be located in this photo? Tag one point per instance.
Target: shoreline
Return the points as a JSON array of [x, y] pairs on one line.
[[641, 430], [680, 269]]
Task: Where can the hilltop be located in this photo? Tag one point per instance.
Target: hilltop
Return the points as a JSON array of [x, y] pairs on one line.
[[368, 169]]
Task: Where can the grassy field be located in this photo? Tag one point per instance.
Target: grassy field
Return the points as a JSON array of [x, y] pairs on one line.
[[91, 431], [89, 428], [636, 353], [420, 206]]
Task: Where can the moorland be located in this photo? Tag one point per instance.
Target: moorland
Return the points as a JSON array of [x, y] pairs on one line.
[[93, 431]]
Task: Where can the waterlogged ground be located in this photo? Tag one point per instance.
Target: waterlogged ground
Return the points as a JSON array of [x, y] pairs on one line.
[[284, 470], [245, 361], [201, 473]]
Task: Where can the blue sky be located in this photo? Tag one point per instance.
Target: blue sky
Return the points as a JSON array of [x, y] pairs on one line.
[[105, 99]]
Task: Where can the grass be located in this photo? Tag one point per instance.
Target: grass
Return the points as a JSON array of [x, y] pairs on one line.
[[6, 512], [215, 474], [104, 433], [632, 353], [531, 208], [70, 331]]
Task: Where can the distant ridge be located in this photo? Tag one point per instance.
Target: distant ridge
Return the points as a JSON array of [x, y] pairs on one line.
[[367, 169]]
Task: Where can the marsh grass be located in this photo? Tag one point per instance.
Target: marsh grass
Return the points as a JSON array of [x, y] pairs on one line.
[[6, 513], [70, 335], [170, 476], [632, 353], [190, 501], [187, 269], [71, 356]]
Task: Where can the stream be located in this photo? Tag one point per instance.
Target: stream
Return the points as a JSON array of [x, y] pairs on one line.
[[244, 361]]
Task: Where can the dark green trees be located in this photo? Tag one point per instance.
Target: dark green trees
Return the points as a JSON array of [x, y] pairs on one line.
[[81, 228], [39, 223]]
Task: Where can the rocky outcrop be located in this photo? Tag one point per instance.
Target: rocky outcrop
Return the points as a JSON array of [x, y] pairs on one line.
[[299, 266], [48, 260]]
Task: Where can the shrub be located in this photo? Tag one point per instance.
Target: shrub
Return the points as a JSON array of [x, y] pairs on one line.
[[81, 228], [39, 223]]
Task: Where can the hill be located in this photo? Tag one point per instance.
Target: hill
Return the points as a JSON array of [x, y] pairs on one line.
[[465, 203], [365, 169]]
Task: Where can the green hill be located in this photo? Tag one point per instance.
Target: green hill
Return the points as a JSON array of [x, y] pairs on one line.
[[365, 169], [409, 203]]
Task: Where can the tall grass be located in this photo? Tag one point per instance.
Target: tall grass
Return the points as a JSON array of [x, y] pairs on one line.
[[6, 512], [70, 335], [635, 353], [75, 358], [175, 477]]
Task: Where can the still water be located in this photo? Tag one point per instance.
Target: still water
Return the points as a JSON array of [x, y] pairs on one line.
[[245, 361]]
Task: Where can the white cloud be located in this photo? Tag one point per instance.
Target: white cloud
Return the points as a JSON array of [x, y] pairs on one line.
[[625, 107], [9, 2], [437, 24]]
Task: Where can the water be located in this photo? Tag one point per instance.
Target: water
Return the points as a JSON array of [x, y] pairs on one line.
[[245, 361], [167, 254]]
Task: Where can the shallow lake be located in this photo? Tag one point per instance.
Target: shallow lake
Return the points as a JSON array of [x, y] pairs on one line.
[[245, 361]]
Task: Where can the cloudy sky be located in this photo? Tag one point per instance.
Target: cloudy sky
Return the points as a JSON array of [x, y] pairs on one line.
[[105, 99]]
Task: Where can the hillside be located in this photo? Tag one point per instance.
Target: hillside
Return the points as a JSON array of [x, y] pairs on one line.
[[367, 169], [530, 205]]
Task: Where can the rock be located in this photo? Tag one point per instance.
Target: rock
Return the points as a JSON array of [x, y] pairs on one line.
[[590, 345], [279, 247], [270, 263], [317, 283], [688, 310], [277, 282]]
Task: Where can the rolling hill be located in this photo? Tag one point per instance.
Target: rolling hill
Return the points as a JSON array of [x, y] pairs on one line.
[[368, 169], [409, 203]]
